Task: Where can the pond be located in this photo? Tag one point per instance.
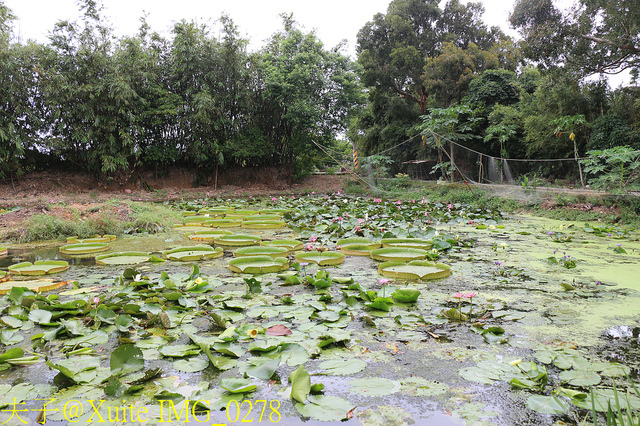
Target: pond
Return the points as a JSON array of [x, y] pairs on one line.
[[527, 320]]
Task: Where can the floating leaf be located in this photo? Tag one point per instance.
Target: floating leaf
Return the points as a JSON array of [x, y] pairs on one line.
[[300, 384], [342, 367], [126, 359], [374, 386], [186, 254], [262, 251], [258, 264], [547, 404], [233, 385], [414, 270], [325, 408], [84, 248], [179, 350], [278, 330], [260, 368], [406, 295], [321, 258], [39, 267], [191, 365], [123, 258], [581, 378], [398, 254]]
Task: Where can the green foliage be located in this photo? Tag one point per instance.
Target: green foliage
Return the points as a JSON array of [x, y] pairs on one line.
[[609, 131], [616, 169]]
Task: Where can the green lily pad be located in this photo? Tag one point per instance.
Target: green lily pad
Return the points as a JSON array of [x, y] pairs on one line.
[[358, 241], [191, 365], [321, 258], [193, 253], [356, 250], [325, 408], [191, 227], [94, 239], [300, 384], [582, 378], [236, 240], [233, 385], [39, 267], [262, 251], [547, 404], [291, 245], [263, 224], [342, 367], [124, 258], [3, 251], [207, 235], [407, 242], [84, 248], [39, 286], [258, 264], [398, 254], [374, 386], [414, 270], [223, 223]]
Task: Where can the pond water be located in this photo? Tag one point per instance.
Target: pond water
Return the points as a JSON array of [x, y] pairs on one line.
[[554, 293]]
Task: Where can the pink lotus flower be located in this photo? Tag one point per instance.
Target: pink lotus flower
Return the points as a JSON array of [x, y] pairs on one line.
[[207, 194], [273, 199], [313, 239], [470, 295], [449, 206], [308, 247], [384, 281], [340, 218], [360, 220], [458, 295], [399, 202], [293, 197]]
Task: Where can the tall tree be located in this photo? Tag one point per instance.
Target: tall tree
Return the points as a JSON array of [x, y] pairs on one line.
[[312, 92]]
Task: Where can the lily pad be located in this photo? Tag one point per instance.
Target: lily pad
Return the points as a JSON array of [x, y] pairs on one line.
[[356, 250], [39, 267], [262, 251], [582, 378], [93, 239], [34, 285], [193, 253], [291, 245], [399, 254], [414, 270], [374, 386], [263, 224], [321, 258], [342, 367], [325, 408], [547, 404], [261, 216], [3, 251], [236, 240], [258, 264], [191, 227], [208, 235], [407, 242], [124, 258], [84, 248], [223, 223], [360, 241]]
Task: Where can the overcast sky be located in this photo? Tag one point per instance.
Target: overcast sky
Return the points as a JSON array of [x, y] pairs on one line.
[[334, 21]]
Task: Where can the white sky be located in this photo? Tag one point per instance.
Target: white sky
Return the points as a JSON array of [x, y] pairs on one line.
[[334, 21]]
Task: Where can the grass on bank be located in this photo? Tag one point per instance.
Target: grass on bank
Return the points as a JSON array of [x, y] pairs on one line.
[[116, 218], [564, 206]]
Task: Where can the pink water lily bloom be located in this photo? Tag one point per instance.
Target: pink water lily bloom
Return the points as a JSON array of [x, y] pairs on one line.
[[384, 281], [458, 295], [313, 239], [470, 295]]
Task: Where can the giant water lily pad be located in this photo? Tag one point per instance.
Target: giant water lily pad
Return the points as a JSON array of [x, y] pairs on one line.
[[124, 258], [291, 245], [358, 241], [263, 224], [258, 264], [41, 285], [4, 276], [191, 227], [414, 270], [223, 223], [40, 267], [262, 251], [195, 219], [407, 242], [93, 239], [261, 216], [193, 253], [236, 240], [84, 248], [398, 254], [3, 251], [321, 258], [356, 250], [207, 235]]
